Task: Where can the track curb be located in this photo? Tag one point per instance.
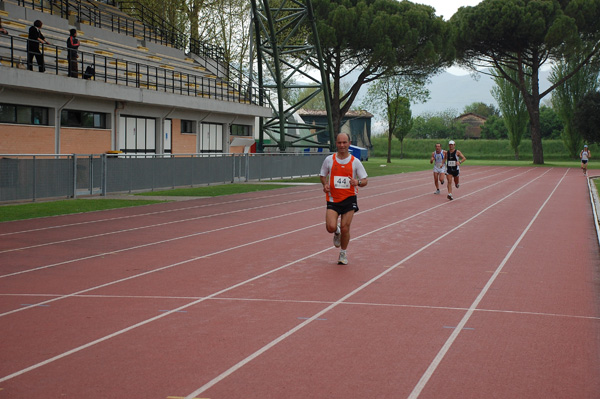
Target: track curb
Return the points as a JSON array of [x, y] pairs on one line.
[[595, 202]]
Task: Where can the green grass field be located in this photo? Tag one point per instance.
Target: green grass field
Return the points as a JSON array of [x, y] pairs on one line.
[[375, 166], [64, 207], [215, 190]]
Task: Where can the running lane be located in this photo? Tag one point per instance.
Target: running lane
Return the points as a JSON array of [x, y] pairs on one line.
[[440, 299]]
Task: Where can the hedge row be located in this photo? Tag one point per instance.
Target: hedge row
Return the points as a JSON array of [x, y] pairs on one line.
[[473, 149]]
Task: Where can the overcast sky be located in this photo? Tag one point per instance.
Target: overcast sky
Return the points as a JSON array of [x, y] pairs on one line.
[[447, 8]]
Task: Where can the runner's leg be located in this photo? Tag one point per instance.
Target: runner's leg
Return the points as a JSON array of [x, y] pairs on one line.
[[331, 218], [345, 227]]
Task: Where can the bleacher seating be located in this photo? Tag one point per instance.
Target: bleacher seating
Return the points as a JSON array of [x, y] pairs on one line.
[[116, 57]]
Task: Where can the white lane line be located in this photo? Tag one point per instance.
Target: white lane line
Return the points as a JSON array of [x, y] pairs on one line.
[[320, 314], [236, 247], [437, 360], [142, 323], [347, 303], [120, 218], [201, 233], [242, 210]]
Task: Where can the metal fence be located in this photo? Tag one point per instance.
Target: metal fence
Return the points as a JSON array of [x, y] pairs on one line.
[[32, 177]]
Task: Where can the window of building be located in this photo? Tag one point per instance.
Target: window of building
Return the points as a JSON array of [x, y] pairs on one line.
[[72, 118], [23, 114], [211, 139], [240, 130], [187, 126], [137, 134]]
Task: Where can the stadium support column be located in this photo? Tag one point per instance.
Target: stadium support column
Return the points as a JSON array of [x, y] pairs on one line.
[[57, 114], [291, 64]]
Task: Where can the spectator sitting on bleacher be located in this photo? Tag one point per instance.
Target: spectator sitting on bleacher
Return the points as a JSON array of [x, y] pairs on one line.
[[33, 46], [2, 30], [73, 45]]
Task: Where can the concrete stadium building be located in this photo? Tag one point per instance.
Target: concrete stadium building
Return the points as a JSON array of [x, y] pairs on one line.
[[150, 94]]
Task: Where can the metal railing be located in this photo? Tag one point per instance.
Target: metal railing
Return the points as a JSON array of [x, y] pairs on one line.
[[29, 177], [147, 25], [129, 73]]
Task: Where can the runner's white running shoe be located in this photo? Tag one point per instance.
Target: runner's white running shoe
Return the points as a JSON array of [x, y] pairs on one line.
[[457, 185], [450, 197], [337, 237], [343, 259], [437, 192]]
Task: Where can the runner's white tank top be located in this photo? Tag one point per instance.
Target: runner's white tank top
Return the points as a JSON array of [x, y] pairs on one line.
[[584, 155], [439, 159]]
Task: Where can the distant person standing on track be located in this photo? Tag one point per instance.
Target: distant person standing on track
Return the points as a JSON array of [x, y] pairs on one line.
[[453, 166], [33, 46], [341, 175], [438, 160], [585, 156]]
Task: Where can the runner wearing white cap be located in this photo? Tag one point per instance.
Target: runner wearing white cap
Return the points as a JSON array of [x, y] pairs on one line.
[[452, 166], [585, 155]]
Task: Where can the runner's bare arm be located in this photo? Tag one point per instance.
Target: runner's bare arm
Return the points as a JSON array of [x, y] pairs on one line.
[[325, 183]]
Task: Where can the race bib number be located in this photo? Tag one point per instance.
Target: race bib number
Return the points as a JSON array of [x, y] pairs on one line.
[[451, 163], [341, 182]]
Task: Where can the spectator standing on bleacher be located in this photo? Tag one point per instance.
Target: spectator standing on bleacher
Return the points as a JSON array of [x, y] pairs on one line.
[[33, 46], [2, 30], [73, 46]]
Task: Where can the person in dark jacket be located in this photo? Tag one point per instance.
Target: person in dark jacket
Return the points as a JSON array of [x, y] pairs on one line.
[[33, 46], [73, 46]]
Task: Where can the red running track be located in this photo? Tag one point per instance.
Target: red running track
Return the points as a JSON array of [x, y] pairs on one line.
[[492, 295]]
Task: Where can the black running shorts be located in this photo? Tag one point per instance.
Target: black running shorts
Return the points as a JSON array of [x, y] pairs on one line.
[[347, 205]]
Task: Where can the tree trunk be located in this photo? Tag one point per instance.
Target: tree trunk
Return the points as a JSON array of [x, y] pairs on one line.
[[389, 159], [402, 148], [534, 117], [536, 135]]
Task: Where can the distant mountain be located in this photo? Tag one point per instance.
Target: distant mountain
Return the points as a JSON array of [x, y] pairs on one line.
[[449, 91]]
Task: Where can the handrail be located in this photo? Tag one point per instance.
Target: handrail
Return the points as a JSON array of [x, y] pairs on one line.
[[130, 73]]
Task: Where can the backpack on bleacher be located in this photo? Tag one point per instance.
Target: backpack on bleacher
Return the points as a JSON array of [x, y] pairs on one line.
[[89, 72]]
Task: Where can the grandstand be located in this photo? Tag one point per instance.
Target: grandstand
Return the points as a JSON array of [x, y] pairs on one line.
[[154, 90]]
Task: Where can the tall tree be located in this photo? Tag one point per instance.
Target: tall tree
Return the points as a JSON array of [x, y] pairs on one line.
[[520, 34], [567, 95], [373, 38], [481, 109], [512, 105], [587, 117], [382, 98], [399, 112], [441, 125]]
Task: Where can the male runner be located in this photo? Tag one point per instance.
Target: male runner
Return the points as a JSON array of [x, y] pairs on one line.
[[437, 159], [585, 155], [452, 166], [341, 175]]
